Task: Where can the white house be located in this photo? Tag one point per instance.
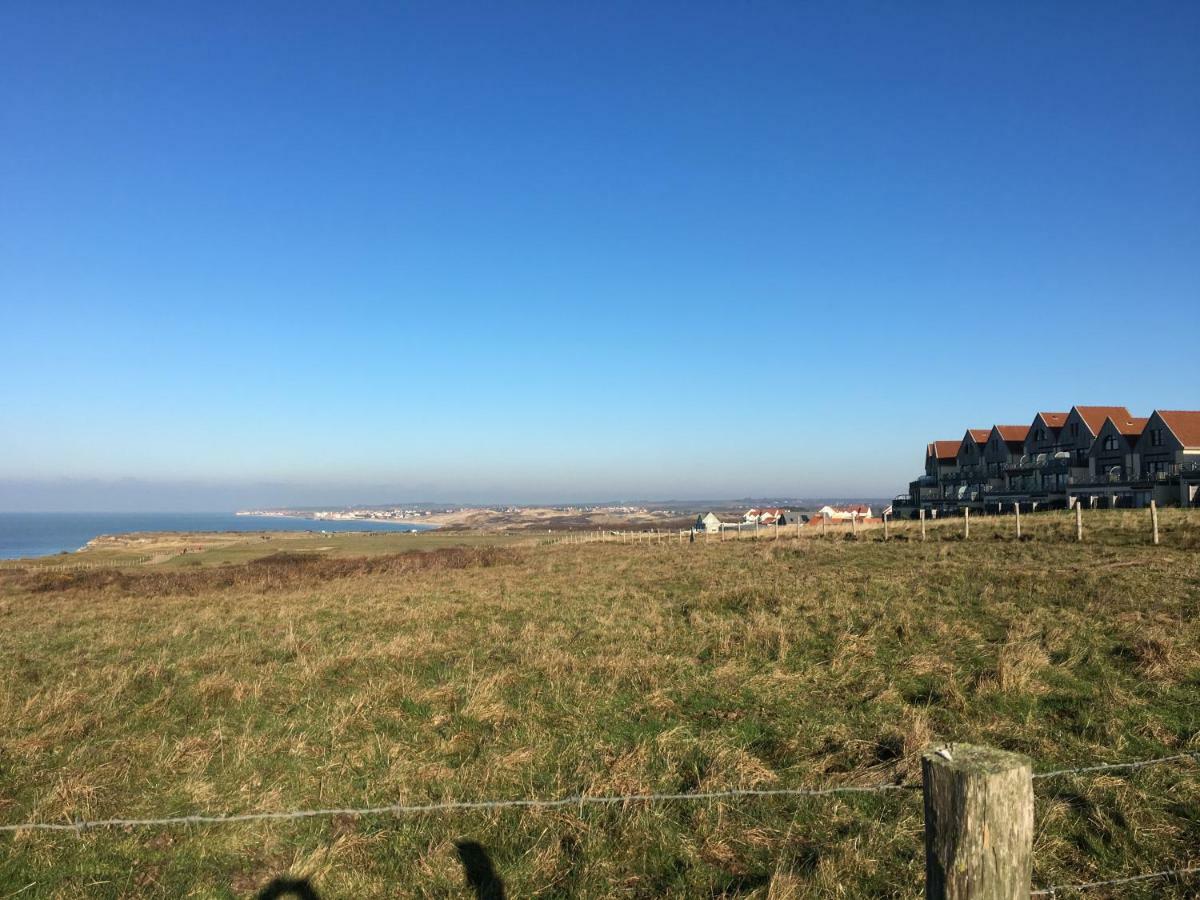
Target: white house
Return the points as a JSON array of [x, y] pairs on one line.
[[766, 516], [708, 522]]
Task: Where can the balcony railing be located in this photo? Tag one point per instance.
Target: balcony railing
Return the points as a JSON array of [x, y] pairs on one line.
[[1049, 466]]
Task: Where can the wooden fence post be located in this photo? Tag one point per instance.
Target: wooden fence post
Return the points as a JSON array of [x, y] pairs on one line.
[[1078, 521], [824, 519], [1017, 507], [854, 524], [921, 514], [885, 526], [1154, 520], [966, 521], [978, 823]]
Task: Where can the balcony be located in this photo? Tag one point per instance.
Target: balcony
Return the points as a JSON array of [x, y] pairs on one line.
[[1041, 463]]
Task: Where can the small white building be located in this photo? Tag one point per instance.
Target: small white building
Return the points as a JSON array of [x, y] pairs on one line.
[[766, 516], [843, 513], [707, 522]]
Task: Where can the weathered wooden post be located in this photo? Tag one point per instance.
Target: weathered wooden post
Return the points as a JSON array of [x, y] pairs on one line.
[[1017, 509], [1154, 520], [921, 515], [885, 526], [966, 522], [854, 524], [824, 519], [776, 532], [978, 823], [1078, 521], [756, 529]]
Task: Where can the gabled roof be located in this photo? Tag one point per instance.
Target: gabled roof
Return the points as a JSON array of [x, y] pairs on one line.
[[1012, 433], [980, 435], [1054, 420], [1130, 427], [943, 449], [1184, 424], [1094, 416]]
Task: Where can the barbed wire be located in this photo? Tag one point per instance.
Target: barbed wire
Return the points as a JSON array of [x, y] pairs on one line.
[[579, 800], [1167, 873]]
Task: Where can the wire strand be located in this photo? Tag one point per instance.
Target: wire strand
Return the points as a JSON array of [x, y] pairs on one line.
[[452, 805], [1168, 873], [1105, 767], [399, 809]]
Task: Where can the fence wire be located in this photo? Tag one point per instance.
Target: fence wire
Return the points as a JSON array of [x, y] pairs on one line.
[[1088, 885], [577, 800], [399, 809]]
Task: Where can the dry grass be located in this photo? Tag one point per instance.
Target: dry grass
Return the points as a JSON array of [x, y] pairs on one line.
[[547, 671]]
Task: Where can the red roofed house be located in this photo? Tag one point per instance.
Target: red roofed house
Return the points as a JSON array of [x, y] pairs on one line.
[[1114, 455], [970, 448], [1082, 426], [941, 457], [1170, 445], [941, 465], [1043, 433], [1005, 447]]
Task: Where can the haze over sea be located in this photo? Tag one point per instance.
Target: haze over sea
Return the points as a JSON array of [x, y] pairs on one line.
[[24, 534]]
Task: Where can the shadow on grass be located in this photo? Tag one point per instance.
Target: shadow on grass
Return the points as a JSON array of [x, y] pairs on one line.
[[477, 867], [481, 874], [289, 887]]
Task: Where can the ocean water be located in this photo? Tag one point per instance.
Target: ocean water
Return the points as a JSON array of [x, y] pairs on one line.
[[41, 534]]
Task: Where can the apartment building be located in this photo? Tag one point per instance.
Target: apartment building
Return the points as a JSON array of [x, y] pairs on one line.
[[1102, 456]]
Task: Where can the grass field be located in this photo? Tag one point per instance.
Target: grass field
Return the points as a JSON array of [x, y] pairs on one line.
[[321, 679], [177, 550]]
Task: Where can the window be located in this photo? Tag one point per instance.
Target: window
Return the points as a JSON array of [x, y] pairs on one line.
[[1074, 429], [1156, 437], [1110, 442]]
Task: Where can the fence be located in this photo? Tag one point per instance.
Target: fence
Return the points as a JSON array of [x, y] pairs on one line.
[[113, 563], [887, 527], [978, 801]]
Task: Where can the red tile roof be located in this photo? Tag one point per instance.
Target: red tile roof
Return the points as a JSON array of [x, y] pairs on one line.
[[1094, 416], [1055, 420], [1013, 433], [943, 449], [1129, 427], [979, 434], [1184, 424]]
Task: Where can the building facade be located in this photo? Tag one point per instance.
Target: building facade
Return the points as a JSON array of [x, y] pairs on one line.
[[1102, 456]]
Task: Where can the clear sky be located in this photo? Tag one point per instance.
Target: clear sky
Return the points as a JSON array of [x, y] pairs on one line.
[[317, 253]]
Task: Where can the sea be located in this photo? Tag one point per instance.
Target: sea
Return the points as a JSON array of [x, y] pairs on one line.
[[41, 534]]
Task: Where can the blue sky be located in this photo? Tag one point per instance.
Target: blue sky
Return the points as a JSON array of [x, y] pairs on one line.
[[309, 253]]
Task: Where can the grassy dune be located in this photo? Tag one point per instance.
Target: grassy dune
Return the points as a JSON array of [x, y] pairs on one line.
[[540, 671]]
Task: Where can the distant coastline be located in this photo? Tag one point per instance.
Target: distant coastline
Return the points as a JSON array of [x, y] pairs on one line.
[[30, 535]]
